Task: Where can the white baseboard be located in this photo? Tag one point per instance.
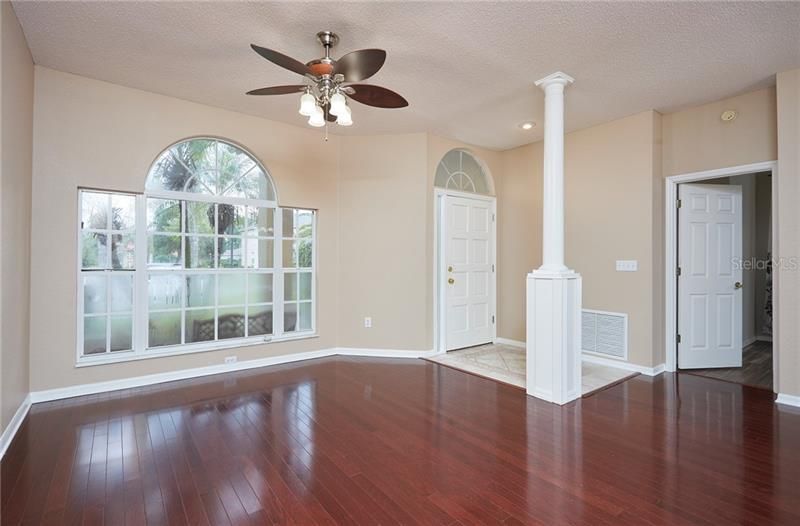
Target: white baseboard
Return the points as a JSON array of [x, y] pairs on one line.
[[512, 343], [610, 362], [13, 426], [627, 366], [184, 374], [763, 339], [152, 379], [381, 353], [786, 399], [749, 341]]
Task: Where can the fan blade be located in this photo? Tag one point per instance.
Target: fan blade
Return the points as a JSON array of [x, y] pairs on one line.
[[282, 60], [361, 64], [377, 96], [278, 90]]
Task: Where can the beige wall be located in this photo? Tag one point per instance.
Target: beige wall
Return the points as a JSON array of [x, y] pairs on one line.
[[16, 110], [697, 139], [519, 234], [787, 285], [657, 278], [376, 212], [382, 251], [95, 134], [386, 237], [610, 216], [373, 193], [611, 175], [615, 206]]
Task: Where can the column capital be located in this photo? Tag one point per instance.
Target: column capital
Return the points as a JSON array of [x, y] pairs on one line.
[[558, 78]]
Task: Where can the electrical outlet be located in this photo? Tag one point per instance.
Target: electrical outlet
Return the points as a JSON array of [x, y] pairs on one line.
[[368, 322], [627, 265], [230, 359]]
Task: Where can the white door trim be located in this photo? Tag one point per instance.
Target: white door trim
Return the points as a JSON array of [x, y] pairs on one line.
[[439, 291], [671, 244]]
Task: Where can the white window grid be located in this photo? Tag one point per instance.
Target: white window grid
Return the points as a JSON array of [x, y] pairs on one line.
[[294, 271], [142, 271], [105, 270]]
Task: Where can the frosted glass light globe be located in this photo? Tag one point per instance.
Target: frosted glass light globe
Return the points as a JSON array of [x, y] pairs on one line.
[[338, 104], [345, 118], [307, 104], [317, 118]]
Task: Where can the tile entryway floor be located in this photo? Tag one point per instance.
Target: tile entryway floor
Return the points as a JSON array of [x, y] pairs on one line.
[[505, 363]]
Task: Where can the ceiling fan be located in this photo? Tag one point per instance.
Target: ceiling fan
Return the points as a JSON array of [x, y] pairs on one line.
[[329, 82]]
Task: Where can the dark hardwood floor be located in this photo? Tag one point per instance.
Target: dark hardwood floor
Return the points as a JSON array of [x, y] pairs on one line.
[[756, 369], [354, 440]]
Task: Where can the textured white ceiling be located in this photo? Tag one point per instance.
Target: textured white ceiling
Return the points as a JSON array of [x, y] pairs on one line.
[[467, 69]]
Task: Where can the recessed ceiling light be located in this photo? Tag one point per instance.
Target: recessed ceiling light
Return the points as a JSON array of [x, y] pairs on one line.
[[527, 125]]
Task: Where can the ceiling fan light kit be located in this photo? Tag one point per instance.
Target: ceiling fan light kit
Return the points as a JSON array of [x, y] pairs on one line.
[[345, 118], [317, 118], [338, 104], [307, 103], [328, 82]]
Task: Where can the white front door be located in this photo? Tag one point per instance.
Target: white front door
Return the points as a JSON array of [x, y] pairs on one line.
[[710, 280], [467, 272]]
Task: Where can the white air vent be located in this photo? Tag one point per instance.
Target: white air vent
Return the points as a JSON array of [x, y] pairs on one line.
[[605, 333]]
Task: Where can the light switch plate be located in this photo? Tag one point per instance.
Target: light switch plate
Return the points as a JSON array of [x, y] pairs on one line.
[[627, 265]]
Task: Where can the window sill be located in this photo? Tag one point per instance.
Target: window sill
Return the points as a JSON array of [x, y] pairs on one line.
[[131, 356]]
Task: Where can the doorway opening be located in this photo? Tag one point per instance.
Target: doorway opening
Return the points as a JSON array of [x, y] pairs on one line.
[[720, 286], [465, 274], [464, 253]]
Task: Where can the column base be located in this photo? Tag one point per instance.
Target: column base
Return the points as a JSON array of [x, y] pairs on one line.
[[553, 349]]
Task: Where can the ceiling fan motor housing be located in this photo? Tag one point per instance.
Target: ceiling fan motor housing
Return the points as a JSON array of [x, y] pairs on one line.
[[321, 67], [324, 66], [328, 38]]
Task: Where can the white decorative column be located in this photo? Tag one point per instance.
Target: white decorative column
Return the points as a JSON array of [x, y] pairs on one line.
[[554, 291]]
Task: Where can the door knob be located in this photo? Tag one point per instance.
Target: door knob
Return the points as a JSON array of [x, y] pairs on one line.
[[449, 269], [451, 281], [738, 285]]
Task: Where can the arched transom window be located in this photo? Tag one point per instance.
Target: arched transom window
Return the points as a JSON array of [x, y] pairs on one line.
[[459, 170], [203, 259], [212, 167]]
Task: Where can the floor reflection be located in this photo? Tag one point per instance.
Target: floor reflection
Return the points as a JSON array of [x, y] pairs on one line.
[[352, 440]]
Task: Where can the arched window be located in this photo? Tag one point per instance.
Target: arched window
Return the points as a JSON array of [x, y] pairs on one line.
[[212, 167], [204, 259], [459, 170]]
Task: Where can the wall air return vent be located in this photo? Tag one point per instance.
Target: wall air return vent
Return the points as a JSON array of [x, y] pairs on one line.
[[605, 334]]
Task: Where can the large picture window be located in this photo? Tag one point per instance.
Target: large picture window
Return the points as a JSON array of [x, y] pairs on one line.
[[203, 259]]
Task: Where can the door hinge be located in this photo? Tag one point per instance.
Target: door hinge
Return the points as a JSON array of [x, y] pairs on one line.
[[492, 218], [679, 338], [678, 271], [678, 203], [492, 268], [492, 319]]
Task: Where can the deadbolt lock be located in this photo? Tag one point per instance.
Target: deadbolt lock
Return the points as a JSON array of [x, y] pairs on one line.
[[449, 269]]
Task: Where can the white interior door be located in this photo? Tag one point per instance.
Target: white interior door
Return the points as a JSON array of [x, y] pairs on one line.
[[467, 272], [710, 280]]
